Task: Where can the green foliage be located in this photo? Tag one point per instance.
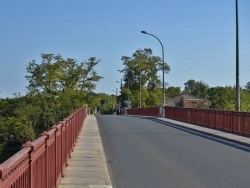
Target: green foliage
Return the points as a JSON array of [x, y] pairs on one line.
[[247, 86], [7, 106], [224, 98], [56, 73], [57, 87], [13, 132], [189, 86], [196, 88], [154, 97], [172, 91], [107, 103], [245, 100], [142, 67]]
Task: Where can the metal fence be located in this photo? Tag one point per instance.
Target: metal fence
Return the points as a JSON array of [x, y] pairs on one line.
[[41, 163], [149, 111], [229, 121]]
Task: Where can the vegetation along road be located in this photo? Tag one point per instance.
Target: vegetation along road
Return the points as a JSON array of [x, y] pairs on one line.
[[142, 152]]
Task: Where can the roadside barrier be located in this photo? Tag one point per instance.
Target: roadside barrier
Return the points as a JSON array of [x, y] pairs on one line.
[[40, 164], [149, 111], [228, 121]]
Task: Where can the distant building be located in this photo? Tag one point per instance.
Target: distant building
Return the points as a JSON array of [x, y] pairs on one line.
[[188, 101]]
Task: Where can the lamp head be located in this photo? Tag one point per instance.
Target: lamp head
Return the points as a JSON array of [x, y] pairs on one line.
[[144, 32]]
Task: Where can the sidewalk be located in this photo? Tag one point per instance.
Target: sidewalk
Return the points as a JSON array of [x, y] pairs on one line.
[[213, 132], [87, 167]]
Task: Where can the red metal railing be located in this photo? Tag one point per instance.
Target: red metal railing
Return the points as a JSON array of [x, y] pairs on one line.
[[149, 111], [41, 163], [230, 121]]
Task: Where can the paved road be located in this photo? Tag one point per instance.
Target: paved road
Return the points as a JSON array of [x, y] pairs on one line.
[[143, 152]]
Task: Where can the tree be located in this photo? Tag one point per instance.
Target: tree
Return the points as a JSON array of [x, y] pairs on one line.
[[245, 100], [154, 97], [173, 91], [58, 74], [142, 63], [13, 134], [247, 86], [14, 130], [189, 86], [200, 89], [57, 87], [222, 98], [196, 88]]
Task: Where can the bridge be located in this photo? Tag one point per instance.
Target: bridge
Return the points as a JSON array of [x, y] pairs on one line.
[[185, 148]]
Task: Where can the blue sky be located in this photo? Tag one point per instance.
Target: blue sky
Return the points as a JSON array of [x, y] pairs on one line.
[[198, 37]]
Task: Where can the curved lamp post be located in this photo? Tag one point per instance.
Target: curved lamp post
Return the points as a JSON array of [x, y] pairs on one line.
[[163, 66]]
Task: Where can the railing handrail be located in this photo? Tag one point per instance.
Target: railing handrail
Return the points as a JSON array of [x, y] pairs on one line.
[[225, 120], [39, 164]]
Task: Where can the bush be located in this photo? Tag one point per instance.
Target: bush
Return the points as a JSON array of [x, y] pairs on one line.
[[13, 134]]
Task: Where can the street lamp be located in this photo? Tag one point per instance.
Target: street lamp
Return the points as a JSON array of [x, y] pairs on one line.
[[163, 66]]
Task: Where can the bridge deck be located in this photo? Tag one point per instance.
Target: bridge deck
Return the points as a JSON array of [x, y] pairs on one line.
[[87, 166]]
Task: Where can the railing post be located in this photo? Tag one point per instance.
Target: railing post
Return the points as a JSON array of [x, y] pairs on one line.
[[56, 153], [215, 112], [85, 111], [63, 147], [46, 157], [243, 124], [189, 114], [31, 170], [162, 111]]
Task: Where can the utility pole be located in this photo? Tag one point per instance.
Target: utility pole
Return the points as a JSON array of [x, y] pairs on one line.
[[237, 107]]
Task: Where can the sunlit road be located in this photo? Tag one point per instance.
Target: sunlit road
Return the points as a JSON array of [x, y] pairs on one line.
[[145, 153]]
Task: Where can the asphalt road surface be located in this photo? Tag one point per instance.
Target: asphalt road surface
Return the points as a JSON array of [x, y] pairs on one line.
[[148, 153]]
